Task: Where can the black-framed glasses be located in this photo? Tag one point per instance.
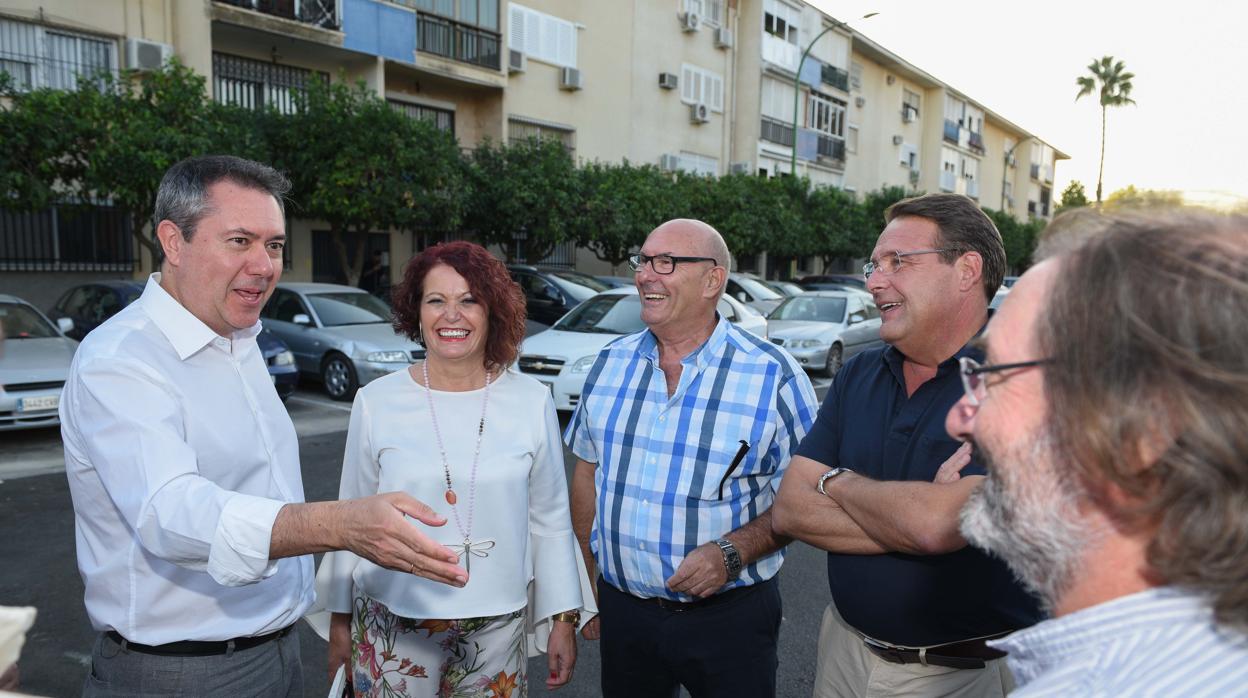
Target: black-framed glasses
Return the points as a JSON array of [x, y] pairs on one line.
[[890, 262], [664, 263], [972, 373]]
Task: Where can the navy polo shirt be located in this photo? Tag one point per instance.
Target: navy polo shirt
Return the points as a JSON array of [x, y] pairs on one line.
[[869, 425]]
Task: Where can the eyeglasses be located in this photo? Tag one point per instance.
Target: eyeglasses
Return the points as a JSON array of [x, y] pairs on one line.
[[972, 370], [890, 262], [664, 263]]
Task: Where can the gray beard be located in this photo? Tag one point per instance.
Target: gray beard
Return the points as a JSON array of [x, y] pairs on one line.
[[1028, 516]]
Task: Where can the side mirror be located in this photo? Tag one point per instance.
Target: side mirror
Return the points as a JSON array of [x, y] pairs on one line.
[[65, 324], [301, 319]]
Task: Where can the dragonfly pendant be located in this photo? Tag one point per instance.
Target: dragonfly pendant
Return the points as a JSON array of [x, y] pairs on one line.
[[469, 549]]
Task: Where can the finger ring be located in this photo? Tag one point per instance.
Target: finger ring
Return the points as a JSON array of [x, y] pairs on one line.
[[413, 568]]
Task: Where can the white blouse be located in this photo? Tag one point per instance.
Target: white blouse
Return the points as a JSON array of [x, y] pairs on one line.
[[521, 500]]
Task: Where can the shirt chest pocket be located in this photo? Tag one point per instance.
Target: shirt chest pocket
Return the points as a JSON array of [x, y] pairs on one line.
[[736, 470]]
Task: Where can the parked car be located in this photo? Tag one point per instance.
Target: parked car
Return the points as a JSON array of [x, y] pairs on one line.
[[1009, 281], [551, 293], [35, 356], [998, 297], [339, 334], [562, 356], [616, 281], [836, 287], [823, 328], [784, 288], [855, 280], [749, 289], [86, 307]]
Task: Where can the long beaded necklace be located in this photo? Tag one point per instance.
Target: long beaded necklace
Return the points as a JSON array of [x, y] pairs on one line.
[[469, 547]]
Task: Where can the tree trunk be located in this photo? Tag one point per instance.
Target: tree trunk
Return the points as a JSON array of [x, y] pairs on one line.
[[340, 250], [1100, 173]]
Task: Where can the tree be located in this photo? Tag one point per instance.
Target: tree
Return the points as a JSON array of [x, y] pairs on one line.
[[1115, 91], [1018, 239], [874, 204], [1130, 197], [620, 205], [1073, 196], [835, 221]]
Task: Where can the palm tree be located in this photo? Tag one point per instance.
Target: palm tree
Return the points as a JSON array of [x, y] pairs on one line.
[[1115, 85]]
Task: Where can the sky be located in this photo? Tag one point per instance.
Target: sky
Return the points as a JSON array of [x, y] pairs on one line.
[[1189, 128]]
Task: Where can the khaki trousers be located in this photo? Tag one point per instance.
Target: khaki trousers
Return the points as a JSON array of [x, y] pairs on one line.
[[847, 669]]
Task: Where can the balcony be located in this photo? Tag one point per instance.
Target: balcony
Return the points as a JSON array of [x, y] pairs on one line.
[[318, 13], [948, 181], [836, 77], [831, 148], [1035, 171], [781, 53], [777, 132], [457, 41], [951, 131], [976, 142]]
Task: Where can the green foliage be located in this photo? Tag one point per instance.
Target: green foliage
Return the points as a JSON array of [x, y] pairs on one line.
[[1130, 197], [838, 226], [620, 205], [1073, 196], [1018, 238]]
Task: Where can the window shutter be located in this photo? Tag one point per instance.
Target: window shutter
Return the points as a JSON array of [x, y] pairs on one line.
[[516, 29]]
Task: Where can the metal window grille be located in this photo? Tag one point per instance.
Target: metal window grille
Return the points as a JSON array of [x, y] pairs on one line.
[[320, 13], [36, 57], [519, 131], [67, 237], [442, 119], [255, 84], [777, 132]]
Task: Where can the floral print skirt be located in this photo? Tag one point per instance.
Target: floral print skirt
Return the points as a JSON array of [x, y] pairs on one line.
[[470, 657]]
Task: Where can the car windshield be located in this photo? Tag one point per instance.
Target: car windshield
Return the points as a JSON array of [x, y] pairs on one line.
[[760, 291], [579, 286], [337, 309], [816, 308], [610, 314], [20, 321]]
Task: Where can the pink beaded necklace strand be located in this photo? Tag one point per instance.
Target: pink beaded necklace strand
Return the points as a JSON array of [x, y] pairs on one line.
[[469, 547]]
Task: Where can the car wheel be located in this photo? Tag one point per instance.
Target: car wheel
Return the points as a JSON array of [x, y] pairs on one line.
[[338, 375], [834, 361]]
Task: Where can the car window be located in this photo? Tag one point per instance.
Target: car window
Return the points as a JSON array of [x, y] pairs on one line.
[[535, 286], [734, 289], [108, 305], [284, 306], [757, 290], [726, 309], [857, 312], [338, 309], [872, 311], [20, 321], [580, 279], [811, 308], [74, 301], [610, 314]]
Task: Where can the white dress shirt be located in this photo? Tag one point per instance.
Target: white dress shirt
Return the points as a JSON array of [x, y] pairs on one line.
[[521, 500], [179, 456], [1159, 642]]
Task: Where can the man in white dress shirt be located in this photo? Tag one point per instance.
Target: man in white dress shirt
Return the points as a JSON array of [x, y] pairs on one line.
[[1112, 413], [193, 538]]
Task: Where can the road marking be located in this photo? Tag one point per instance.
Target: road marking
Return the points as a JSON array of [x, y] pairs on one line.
[[318, 403]]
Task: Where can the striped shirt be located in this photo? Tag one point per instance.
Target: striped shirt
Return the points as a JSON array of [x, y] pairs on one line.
[[1159, 642], [661, 460]]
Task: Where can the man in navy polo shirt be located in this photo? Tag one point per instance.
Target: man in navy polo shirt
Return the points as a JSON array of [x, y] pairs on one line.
[[878, 483]]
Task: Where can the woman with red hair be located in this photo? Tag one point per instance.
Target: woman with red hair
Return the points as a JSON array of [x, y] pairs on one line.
[[481, 444]]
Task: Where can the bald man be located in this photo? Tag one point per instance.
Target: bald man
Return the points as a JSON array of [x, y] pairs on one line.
[[682, 434]]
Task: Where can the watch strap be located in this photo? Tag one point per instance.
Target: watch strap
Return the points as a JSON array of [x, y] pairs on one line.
[[828, 476]]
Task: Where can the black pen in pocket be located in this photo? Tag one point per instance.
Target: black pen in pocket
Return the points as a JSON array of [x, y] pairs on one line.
[[736, 460]]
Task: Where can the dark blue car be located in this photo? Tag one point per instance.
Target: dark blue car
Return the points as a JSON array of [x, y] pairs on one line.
[[89, 305]]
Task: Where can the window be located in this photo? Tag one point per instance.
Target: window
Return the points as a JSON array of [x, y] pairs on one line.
[[974, 119], [543, 37], [909, 155], [481, 13], [36, 57], [711, 11], [257, 84], [910, 102], [781, 21], [699, 164], [520, 129], [777, 100], [851, 138], [825, 115], [66, 237], [442, 119], [701, 86]]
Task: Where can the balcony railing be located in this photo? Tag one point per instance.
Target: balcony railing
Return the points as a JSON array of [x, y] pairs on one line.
[[458, 41], [951, 131], [777, 132], [836, 77], [781, 53], [318, 13], [976, 142], [830, 147]]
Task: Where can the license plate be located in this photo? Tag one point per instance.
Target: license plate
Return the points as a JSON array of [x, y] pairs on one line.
[[34, 404]]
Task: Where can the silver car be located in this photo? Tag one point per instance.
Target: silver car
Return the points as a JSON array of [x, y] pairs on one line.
[[34, 362], [823, 328], [339, 333], [749, 289]]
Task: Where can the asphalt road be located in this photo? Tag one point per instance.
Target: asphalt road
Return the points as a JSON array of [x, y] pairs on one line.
[[39, 569]]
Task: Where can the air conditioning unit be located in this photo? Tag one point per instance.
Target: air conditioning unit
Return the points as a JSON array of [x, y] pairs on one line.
[[145, 55], [723, 38], [517, 61], [741, 167], [690, 21], [908, 115], [668, 81], [860, 102], [570, 79], [669, 162], [699, 113], [897, 140]]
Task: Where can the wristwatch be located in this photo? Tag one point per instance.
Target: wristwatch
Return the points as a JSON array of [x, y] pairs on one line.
[[828, 476], [732, 558], [573, 617]]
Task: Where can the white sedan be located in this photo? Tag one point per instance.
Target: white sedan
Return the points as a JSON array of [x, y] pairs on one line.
[[562, 356]]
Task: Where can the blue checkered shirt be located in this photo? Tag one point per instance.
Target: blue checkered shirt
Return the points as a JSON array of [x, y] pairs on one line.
[[661, 459]]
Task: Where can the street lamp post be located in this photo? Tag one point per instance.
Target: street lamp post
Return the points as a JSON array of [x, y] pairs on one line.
[[797, 83]]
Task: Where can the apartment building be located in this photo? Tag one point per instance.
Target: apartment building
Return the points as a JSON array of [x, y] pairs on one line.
[[706, 86]]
